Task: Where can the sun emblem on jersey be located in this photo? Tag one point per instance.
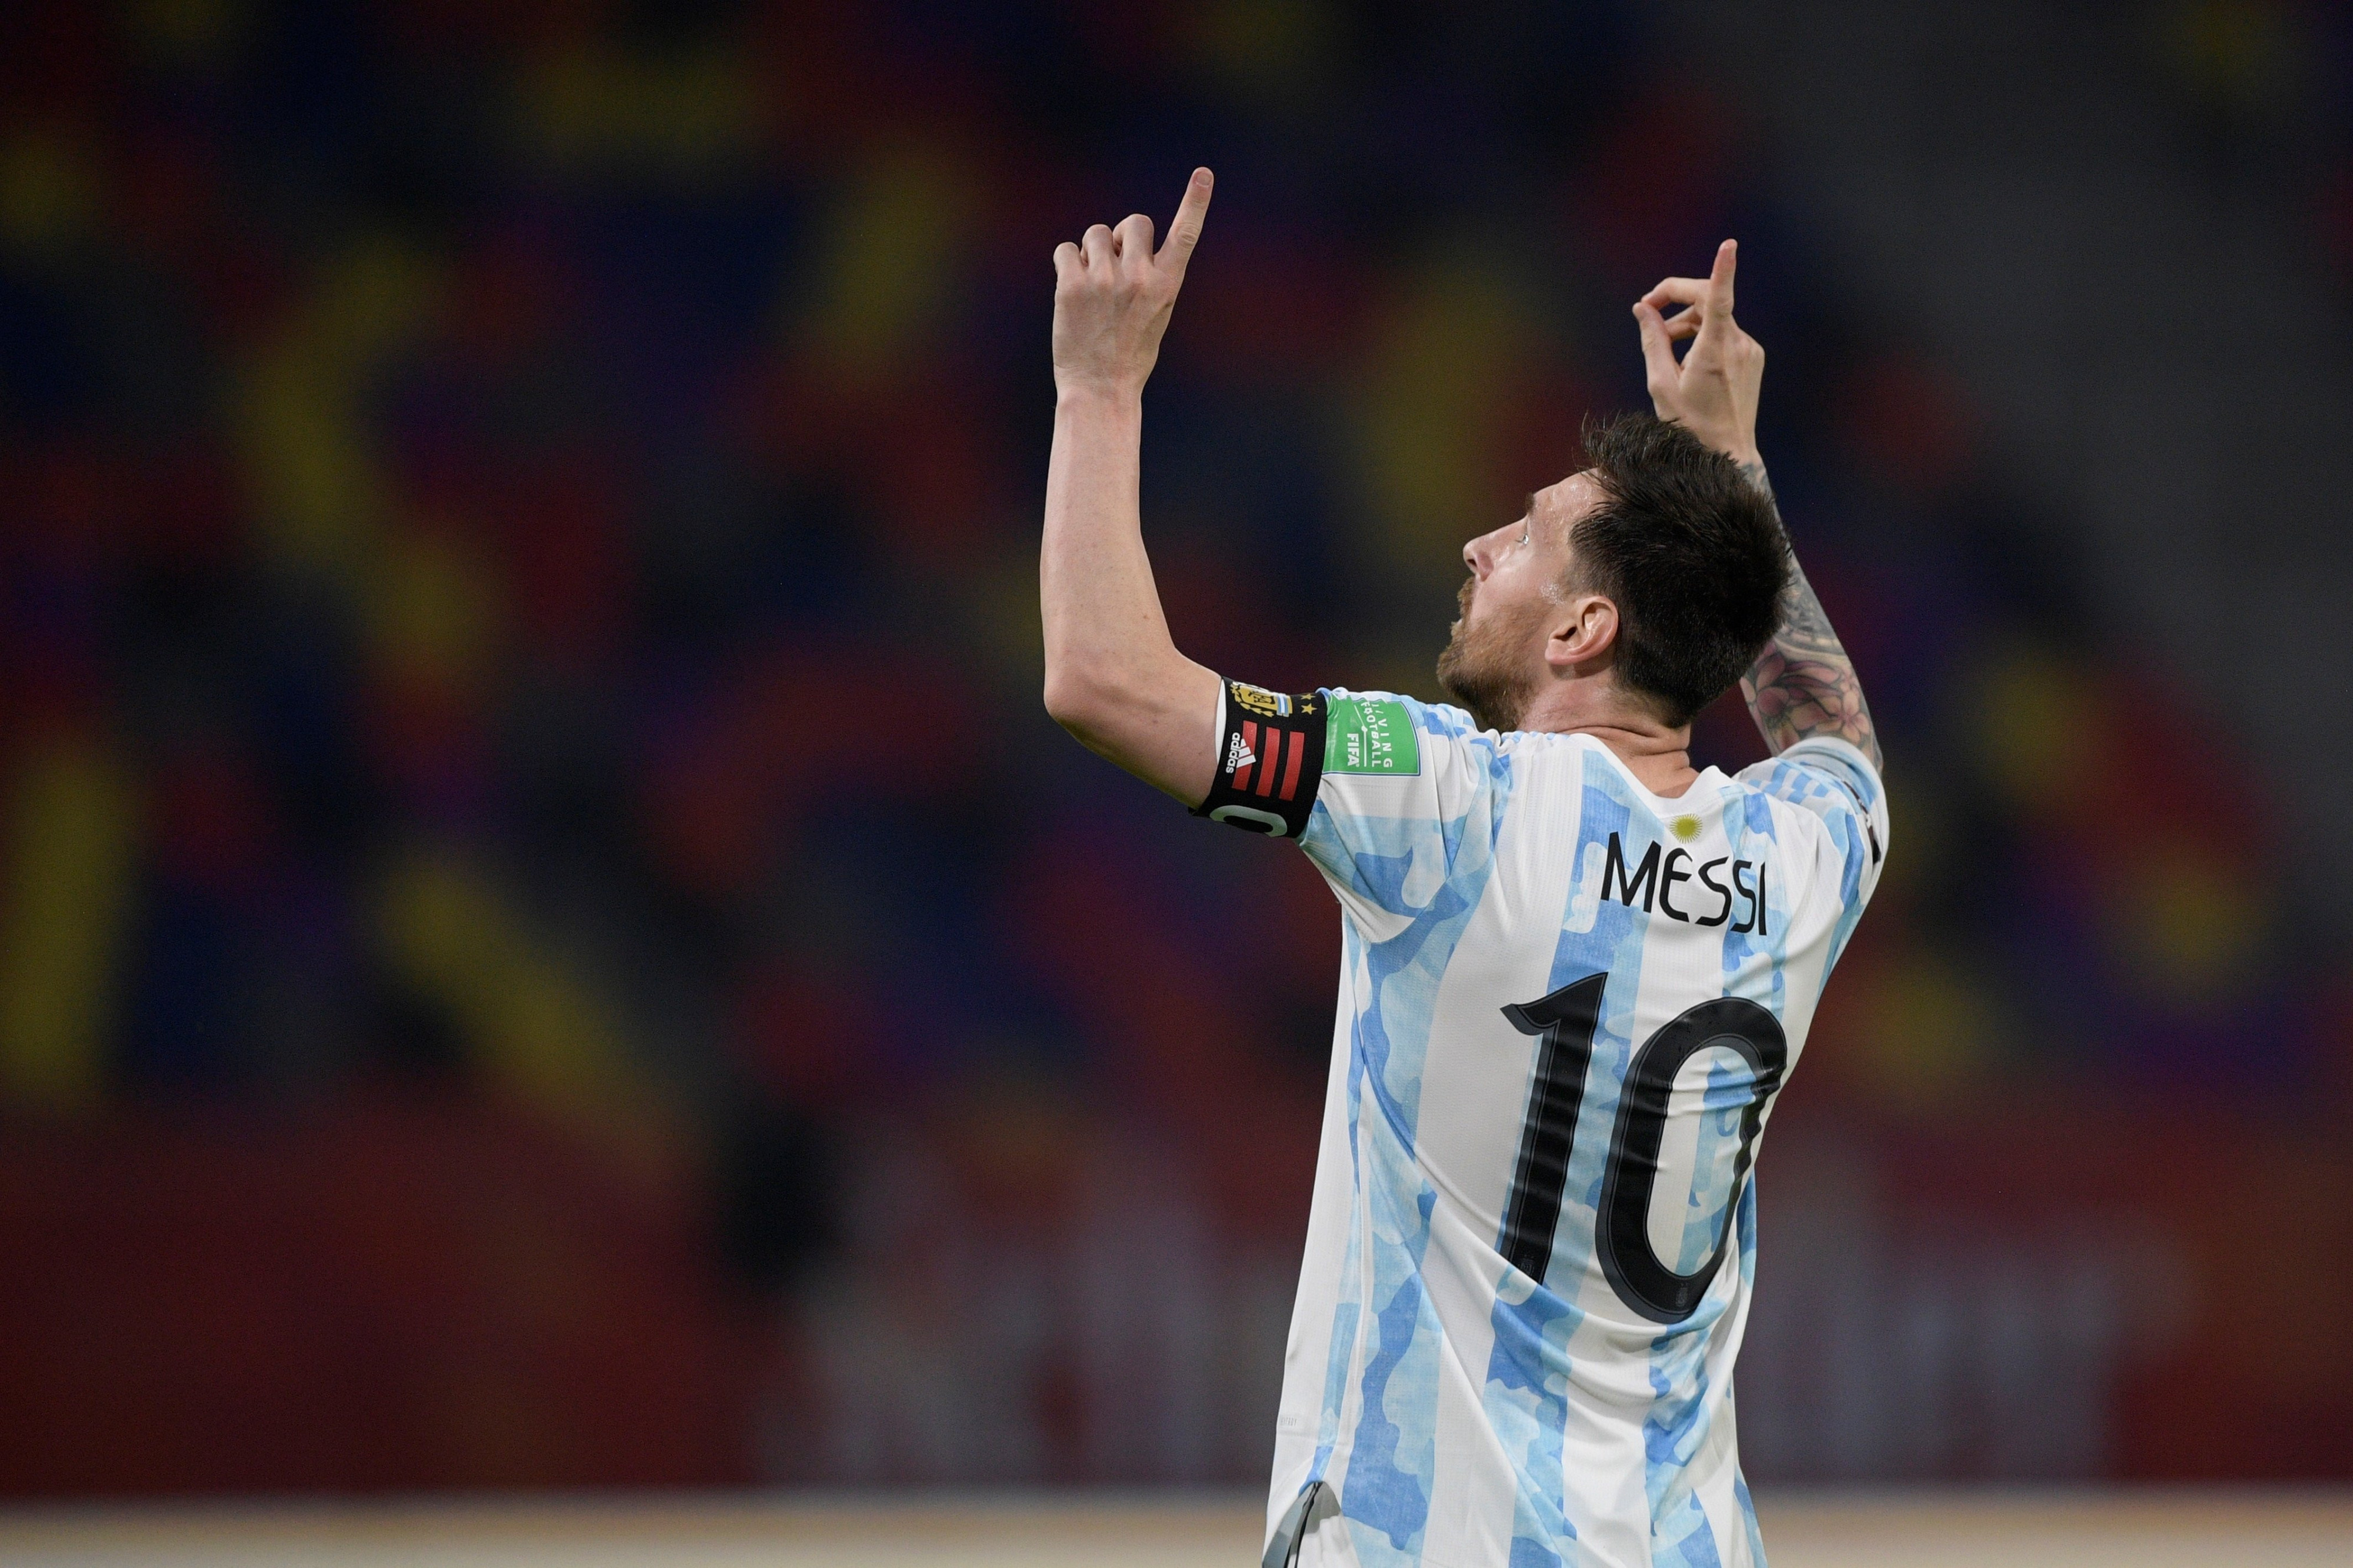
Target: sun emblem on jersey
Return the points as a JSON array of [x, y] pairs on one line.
[[1685, 827]]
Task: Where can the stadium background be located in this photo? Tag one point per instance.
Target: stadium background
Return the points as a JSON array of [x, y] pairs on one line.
[[545, 939]]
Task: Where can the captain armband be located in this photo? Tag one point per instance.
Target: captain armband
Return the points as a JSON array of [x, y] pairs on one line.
[[1269, 759]]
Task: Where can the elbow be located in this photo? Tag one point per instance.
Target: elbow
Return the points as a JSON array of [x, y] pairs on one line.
[[1074, 703]]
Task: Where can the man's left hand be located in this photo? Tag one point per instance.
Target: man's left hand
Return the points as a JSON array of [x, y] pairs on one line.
[[1713, 391]]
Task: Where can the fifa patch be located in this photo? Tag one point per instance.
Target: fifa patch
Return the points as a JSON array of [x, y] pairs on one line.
[[1270, 760], [1368, 735]]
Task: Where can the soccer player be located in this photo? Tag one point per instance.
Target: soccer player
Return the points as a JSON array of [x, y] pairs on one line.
[[1575, 971]]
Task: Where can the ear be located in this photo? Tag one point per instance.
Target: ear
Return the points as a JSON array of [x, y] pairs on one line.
[[1584, 638]]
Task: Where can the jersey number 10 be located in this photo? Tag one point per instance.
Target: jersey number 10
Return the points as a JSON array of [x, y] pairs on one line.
[[1565, 1022]]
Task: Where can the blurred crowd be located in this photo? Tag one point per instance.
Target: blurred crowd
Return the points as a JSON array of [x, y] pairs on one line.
[[545, 937]]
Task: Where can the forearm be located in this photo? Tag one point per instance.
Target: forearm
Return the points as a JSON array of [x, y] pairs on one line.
[[1102, 609], [1113, 676], [1803, 683]]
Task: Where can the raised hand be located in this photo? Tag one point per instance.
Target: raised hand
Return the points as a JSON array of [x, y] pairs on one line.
[[1803, 683], [1112, 296], [1713, 391]]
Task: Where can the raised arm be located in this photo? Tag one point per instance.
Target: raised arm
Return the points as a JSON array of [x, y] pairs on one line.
[[1803, 683], [1113, 676]]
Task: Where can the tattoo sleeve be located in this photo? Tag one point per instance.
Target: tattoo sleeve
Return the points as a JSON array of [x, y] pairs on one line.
[[1803, 683]]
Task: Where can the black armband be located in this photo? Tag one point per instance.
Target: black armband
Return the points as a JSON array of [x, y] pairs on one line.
[[1269, 759]]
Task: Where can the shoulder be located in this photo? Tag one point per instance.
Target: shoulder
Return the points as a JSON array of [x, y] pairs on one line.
[[1409, 801], [1439, 718], [1388, 733], [1826, 791], [1820, 774], [1386, 755], [1382, 712]]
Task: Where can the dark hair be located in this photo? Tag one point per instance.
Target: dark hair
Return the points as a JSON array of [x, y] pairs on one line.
[[1692, 553]]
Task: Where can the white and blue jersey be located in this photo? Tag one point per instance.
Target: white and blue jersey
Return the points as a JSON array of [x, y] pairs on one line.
[[1566, 1006]]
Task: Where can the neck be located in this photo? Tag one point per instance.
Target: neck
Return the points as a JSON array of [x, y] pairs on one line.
[[1657, 755]]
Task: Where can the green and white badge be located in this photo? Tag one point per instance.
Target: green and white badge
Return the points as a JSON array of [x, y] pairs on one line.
[[1368, 735]]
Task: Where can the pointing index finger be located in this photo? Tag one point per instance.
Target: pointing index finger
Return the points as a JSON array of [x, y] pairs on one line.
[[1185, 229], [1719, 279]]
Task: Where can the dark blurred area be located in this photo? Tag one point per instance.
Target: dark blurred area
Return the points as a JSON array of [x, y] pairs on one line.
[[547, 940]]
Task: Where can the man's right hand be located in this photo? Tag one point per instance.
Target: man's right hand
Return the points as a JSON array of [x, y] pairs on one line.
[[1113, 676], [1713, 391], [1112, 296]]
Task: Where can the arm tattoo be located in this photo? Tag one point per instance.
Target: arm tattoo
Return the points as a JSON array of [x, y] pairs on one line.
[[1803, 683]]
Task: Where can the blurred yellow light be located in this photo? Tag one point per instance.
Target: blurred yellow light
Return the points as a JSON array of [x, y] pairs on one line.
[[1926, 1026], [70, 839], [49, 195], [2190, 920], [1428, 415], [430, 607], [534, 1019], [887, 261], [673, 116], [2036, 727], [187, 30]]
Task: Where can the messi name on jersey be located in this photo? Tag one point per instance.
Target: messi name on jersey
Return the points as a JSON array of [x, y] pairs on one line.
[[1657, 880]]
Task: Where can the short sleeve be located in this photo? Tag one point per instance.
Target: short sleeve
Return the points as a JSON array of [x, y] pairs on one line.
[[1405, 784], [1834, 781], [1381, 791]]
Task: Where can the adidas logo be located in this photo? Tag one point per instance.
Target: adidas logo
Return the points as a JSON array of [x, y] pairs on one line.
[[1244, 756]]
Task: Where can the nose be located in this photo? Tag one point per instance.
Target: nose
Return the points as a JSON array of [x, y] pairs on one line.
[[1479, 554]]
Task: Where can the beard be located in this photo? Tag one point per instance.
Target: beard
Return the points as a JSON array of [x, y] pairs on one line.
[[1486, 667]]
